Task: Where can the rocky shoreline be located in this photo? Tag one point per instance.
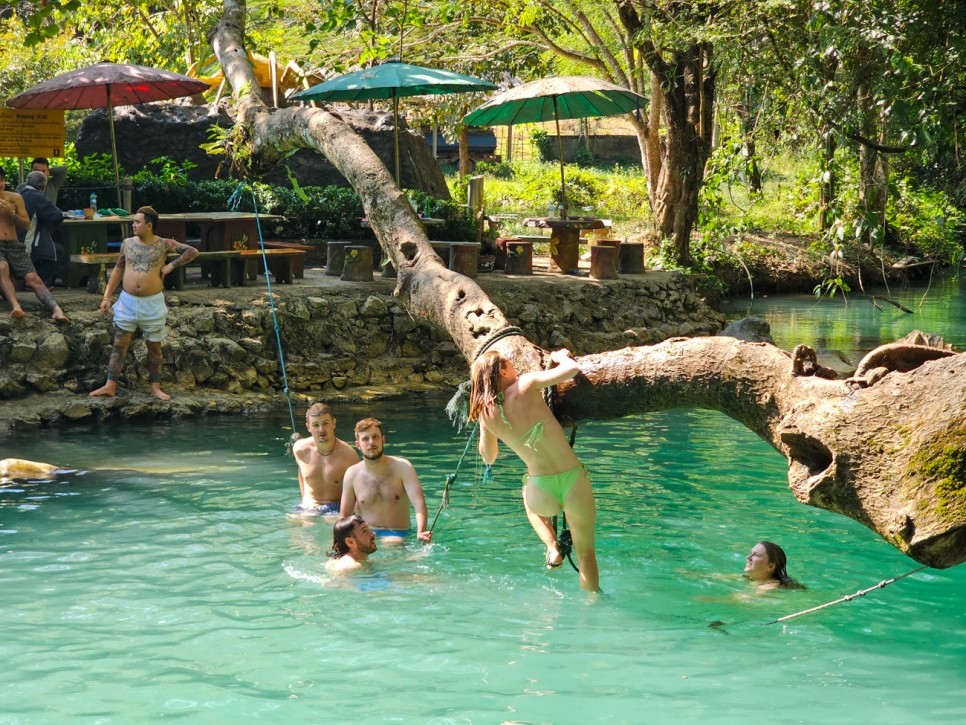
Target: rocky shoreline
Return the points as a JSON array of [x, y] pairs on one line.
[[340, 341]]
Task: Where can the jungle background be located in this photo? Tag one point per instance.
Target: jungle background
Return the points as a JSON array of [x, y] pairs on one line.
[[814, 142]]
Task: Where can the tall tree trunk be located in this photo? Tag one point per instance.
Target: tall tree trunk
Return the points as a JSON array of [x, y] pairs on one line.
[[886, 448], [464, 151], [827, 186], [748, 118], [869, 199], [688, 101], [649, 140]]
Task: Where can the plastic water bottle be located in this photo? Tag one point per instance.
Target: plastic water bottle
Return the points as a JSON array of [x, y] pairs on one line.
[[94, 202], [551, 209], [560, 211]]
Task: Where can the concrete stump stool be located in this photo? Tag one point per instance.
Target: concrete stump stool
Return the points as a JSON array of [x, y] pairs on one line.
[[631, 258], [519, 258], [358, 264], [603, 261], [565, 250], [464, 257], [501, 245], [334, 258]]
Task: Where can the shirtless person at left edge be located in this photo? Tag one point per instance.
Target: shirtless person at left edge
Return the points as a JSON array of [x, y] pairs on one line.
[[322, 461], [141, 304], [15, 261]]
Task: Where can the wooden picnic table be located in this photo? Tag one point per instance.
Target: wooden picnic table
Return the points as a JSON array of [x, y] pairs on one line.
[[565, 238]]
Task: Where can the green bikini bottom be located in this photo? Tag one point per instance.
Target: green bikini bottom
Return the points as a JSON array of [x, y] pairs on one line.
[[557, 485]]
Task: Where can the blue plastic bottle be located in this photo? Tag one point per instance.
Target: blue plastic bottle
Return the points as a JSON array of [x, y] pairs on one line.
[[94, 202]]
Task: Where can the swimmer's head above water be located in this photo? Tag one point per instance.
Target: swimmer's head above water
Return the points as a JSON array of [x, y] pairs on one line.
[[351, 536], [766, 563]]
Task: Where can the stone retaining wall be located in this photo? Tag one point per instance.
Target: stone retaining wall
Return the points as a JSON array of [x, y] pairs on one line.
[[348, 341]]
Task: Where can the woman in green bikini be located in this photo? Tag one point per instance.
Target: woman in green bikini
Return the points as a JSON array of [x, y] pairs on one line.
[[511, 408]]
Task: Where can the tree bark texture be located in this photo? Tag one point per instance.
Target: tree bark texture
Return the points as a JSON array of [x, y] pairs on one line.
[[887, 447], [891, 455]]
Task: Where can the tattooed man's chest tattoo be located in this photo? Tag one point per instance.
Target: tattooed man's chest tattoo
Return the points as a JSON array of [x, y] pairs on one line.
[[143, 257]]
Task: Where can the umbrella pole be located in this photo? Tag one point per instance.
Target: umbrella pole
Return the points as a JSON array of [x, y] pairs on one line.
[[117, 174], [563, 187], [395, 115]]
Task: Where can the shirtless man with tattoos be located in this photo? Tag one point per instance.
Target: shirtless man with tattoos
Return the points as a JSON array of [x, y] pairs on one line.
[[141, 303], [14, 260]]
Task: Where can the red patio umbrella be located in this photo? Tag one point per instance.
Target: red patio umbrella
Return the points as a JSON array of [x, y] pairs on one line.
[[106, 85]]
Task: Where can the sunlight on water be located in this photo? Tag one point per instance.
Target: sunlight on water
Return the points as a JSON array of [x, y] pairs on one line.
[[168, 580]]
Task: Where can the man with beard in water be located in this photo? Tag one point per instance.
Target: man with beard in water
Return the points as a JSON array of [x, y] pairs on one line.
[[352, 542], [381, 488]]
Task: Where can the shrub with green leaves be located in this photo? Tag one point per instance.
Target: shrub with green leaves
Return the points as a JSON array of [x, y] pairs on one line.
[[927, 223]]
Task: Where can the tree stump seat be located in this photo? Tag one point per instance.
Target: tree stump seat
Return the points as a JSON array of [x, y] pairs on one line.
[[358, 263], [334, 258], [603, 261]]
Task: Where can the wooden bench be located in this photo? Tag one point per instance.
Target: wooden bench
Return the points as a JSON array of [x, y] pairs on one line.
[[217, 263], [284, 264], [232, 267], [298, 263]]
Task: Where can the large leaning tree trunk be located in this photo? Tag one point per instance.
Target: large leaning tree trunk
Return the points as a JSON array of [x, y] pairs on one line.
[[686, 80], [887, 447]]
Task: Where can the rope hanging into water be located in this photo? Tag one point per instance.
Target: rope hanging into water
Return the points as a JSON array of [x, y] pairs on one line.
[[444, 502], [233, 202], [847, 597]]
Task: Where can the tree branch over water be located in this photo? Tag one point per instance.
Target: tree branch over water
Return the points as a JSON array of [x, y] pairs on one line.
[[887, 448]]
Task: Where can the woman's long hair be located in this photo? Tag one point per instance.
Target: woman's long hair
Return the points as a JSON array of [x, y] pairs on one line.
[[484, 383], [776, 556], [342, 530]]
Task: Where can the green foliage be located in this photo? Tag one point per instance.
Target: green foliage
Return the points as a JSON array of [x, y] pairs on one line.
[[545, 145], [583, 156], [330, 212], [496, 169], [458, 224], [831, 287], [927, 223], [616, 193], [174, 172]]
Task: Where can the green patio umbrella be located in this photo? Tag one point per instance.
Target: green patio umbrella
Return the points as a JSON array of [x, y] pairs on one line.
[[391, 81], [551, 99]]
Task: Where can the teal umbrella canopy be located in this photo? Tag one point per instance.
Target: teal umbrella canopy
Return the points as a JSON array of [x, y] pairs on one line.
[[392, 81], [551, 99]]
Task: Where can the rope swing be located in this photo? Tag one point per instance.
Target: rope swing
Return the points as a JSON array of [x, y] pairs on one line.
[[847, 597], [451, 478], [233, 202]]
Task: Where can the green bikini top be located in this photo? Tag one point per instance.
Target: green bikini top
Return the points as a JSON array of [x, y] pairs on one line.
[[531, 439]]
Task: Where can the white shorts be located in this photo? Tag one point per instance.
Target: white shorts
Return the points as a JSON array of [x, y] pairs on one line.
[[148, 313]]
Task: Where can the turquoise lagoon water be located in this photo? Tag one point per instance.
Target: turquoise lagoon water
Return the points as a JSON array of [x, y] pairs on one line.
[[177, 587]]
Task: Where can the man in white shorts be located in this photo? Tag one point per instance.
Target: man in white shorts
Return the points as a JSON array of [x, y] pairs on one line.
[[142, 266]]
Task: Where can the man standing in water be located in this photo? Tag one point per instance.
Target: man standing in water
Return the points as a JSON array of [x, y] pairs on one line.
[[141, 303], [14, 261], [382, 487], [352, 542], [322, 461]]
